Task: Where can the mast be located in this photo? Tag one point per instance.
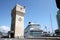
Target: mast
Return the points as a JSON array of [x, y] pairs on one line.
[[51, 23]]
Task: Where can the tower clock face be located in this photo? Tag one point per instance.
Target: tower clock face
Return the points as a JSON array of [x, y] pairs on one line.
[[19, 19]]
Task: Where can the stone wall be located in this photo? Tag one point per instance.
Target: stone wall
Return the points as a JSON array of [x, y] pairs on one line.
[[30, 39]]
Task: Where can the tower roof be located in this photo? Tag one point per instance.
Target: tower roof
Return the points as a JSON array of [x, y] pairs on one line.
[[19, 9], [20, 6]]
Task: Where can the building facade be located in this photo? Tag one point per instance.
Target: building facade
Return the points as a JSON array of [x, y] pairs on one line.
[[58, 18], [57, 31]]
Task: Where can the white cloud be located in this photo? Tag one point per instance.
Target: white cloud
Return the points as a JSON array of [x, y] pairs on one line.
[[4, 29]]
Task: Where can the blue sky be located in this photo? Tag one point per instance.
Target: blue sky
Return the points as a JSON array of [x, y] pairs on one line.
[[37, 11]]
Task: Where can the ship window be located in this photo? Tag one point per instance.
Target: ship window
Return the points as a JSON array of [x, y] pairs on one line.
[[36, 34]]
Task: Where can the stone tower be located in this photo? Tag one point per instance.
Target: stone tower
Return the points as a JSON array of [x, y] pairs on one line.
[[17, 22]]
